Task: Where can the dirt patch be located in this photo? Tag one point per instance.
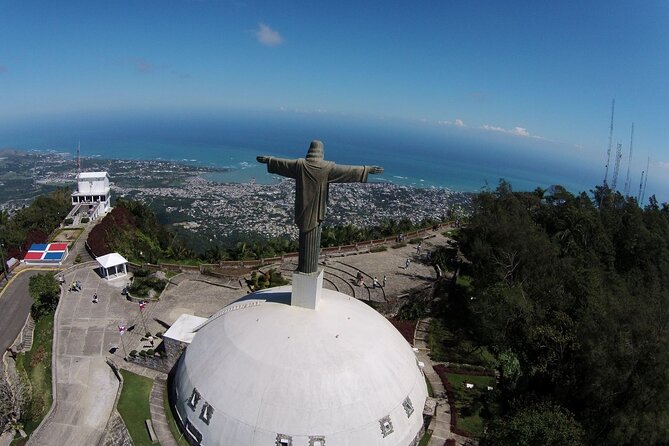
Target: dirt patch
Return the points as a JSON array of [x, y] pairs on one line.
[[37, 357], [67, 235], [406, 328]]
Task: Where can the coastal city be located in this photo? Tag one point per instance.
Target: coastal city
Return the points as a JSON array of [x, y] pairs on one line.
[[213, 212]]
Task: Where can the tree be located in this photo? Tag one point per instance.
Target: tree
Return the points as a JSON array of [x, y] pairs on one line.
[[539, 424], [575, 290], [13, 399], [45, 291]]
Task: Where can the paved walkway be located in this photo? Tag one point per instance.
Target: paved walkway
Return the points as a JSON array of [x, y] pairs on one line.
[[441, 422], [158, 417], [84, 385]]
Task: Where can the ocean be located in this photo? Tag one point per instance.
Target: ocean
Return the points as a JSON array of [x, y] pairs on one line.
[[412, 153]]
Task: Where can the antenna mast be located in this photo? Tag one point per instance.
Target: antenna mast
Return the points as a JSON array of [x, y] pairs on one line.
[[619, 154], [608, 152], [645, 181], [78, 160], [628, 180]]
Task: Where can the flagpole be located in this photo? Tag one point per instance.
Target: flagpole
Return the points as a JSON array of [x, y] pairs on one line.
[[121, 330], [141, 313]]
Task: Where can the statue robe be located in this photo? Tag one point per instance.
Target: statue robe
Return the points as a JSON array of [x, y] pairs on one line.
[[312, 184]]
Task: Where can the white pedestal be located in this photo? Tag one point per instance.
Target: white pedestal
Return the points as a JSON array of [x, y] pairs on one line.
[[307, 289]]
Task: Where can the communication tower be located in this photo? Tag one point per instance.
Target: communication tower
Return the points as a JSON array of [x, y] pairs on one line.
[[619, 154], [628, 180], [608, 151], [642, 183], [78, 159], [645, 182]]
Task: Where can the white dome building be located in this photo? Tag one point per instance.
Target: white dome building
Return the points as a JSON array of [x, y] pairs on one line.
[[261, 372]]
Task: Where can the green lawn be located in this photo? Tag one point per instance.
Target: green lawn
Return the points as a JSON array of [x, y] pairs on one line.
[[176, 433], [133, 405], [455, 346], [35, 366], [470, 402], [426, 438]]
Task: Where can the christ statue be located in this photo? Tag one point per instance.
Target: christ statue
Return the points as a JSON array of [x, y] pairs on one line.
[[313, 175]]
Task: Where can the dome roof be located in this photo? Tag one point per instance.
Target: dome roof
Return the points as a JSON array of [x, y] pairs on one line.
[[262, 372]]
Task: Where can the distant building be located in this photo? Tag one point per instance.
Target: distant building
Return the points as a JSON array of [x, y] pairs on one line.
[[92, 197]]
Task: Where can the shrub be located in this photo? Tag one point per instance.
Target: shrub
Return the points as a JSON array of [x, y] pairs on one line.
[[85, 219], [398, 245], [133, 353], [413, 310], [260, 280], [142, 353], [141, 272], [380, 248], [69, 221], [77, 259], [141, 286], [150, 352], [45, 291], [148, 333], [416, 240], [159, 334]]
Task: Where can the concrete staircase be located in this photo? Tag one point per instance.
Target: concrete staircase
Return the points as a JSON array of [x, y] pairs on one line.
[[158, 417], [27, 336], [421, 335], [79, 248]]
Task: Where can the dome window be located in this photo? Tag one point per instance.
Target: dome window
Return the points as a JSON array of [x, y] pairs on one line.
[[318, 440], [193, 432], [194, 399], [207, 412], [386, 426], [408, 407], [283, 440]]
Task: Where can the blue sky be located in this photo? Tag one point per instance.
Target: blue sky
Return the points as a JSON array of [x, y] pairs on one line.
[[538, 71]]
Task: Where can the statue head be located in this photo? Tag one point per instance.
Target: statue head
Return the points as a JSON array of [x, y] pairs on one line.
[[315, 152]]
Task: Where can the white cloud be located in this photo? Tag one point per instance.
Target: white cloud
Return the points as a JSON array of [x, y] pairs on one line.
[[456, 123], [267, 36], [520, 131], [663, 165], [516, 131], [493, 128]]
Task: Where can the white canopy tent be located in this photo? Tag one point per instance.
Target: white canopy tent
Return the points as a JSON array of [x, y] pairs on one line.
[[112, 265]]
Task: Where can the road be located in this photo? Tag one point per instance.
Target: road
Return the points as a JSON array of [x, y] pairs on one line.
[[15, 302]]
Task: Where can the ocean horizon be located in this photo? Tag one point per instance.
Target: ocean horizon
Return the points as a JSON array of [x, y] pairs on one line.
[[411, 154]]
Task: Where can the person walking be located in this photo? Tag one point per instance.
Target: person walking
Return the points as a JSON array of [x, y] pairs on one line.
[[406, 265], [384, 281]]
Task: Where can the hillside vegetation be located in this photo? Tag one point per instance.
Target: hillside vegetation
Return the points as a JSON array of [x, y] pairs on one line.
[[572, 298], [34, 223]]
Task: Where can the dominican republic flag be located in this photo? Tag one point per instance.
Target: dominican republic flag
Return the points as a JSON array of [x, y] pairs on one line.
[[142, 304], [121, 329]]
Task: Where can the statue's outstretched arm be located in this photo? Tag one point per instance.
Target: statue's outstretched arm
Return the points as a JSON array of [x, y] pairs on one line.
[[341, 173], [284, 167]]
